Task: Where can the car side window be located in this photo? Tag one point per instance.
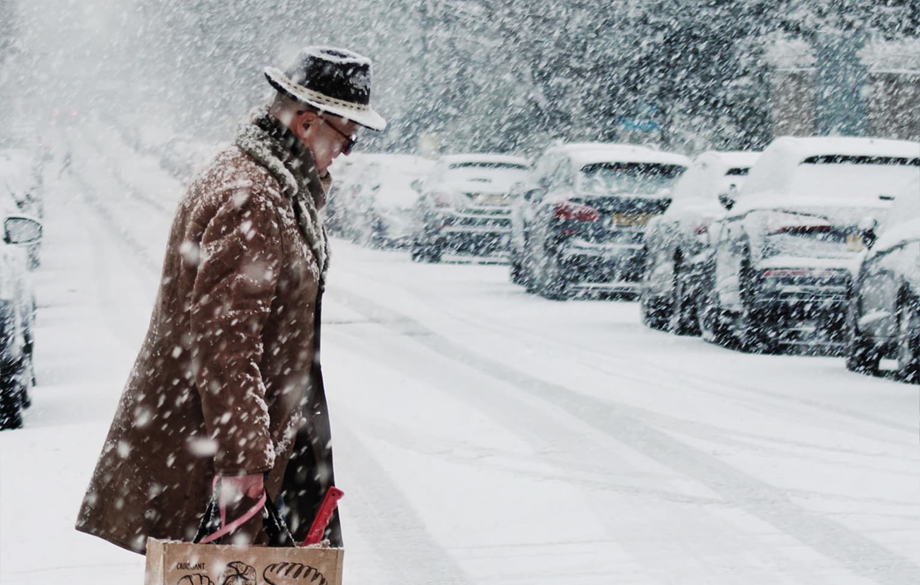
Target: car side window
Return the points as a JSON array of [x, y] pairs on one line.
[[561, 176], [543, 170]]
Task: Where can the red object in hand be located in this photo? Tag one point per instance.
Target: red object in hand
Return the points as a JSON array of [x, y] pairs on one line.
[[323, 516]]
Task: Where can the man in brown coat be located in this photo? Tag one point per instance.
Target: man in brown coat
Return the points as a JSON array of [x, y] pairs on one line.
[[228, 383]]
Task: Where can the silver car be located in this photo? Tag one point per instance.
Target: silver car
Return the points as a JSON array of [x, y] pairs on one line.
[[465, 205]]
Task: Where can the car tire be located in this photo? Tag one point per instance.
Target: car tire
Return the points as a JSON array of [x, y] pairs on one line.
[[423, 251], [682, 321], [711, 319], [908, 341], [556, 284], [10, 403], [26, 379], [515, 268], [755, 332], [653, 312]]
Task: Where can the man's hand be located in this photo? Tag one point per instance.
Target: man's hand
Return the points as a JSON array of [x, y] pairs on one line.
[[233, 488]]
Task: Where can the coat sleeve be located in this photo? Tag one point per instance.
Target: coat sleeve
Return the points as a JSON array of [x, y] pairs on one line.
[[231, 300]]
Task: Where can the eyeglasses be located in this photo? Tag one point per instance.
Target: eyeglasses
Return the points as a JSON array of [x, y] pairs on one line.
[[351, 140]]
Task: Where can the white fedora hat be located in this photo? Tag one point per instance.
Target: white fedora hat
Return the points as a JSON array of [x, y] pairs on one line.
[[331, 80]]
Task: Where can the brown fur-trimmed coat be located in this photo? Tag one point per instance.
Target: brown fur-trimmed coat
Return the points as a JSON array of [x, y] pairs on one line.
[[225, 381]]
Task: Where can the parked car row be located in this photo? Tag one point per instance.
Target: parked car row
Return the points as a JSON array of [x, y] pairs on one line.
[[813, 244], [20, 203], [807, 251]]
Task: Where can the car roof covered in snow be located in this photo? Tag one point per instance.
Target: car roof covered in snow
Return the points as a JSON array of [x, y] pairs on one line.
[[583, 155], [805, 172], [706, 178], [407, 163], [729, 159], [776, 168], [452, 159]]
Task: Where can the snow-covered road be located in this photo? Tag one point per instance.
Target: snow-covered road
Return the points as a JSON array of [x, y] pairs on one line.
[[482, 435]]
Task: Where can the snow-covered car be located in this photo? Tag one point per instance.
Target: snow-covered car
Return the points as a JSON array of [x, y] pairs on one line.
[[786, 253], [883, 320], [376, 205], [342, 188], [21, 181], [677, 242], [465, 205], [17, 318], [584, 224]]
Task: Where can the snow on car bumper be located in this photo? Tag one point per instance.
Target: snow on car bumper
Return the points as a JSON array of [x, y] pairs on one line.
[[803, 305], [477, 222], [610, 267]]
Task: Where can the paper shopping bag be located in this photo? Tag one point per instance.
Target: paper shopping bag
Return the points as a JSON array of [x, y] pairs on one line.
[[184, 563]]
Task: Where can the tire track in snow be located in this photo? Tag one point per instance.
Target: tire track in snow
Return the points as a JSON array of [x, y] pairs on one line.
[[857, 553], [653, 370], [388, 519], [129, 187]]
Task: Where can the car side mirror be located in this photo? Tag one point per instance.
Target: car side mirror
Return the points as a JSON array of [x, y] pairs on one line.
[[21, 230], [727, 201], [867, 231], [532, 194]]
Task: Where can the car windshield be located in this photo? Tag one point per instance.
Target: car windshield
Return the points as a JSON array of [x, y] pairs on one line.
[[853, 177], [632, 178], [488, 175]]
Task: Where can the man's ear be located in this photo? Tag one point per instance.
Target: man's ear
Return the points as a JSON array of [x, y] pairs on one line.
[[302, 122]]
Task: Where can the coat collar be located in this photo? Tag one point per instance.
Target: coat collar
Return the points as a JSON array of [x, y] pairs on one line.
[[270, 142], [276, 148]]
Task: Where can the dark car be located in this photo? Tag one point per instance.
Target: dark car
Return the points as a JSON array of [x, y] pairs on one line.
[[676, 243], [884, 314], [17, 316], [583, 226], [787, 251]]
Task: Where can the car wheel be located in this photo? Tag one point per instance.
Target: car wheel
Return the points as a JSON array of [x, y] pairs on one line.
[[862, 355], [416, 251], [26, 379], [653, 312], [10, 403], [515, 267], [908, 342], [425, 251], [711, 318], [755, 331], [556, 283], [682, 320]]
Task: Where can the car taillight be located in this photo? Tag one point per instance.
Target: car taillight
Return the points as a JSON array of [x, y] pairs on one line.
[[703, 227], [569, 211]]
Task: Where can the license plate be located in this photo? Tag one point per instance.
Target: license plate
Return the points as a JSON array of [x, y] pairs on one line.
[[629, 219], [855, 242], [496, 199]]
